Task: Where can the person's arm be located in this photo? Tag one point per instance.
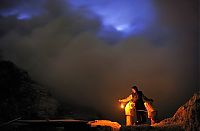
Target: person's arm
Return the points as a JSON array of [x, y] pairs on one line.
[[126, 99], [146, 99]]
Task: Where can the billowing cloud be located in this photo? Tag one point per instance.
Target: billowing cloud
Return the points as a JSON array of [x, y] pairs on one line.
[[61, 47]]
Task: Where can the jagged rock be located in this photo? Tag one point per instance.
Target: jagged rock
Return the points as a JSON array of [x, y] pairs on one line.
[[20, 96], [187, 116]]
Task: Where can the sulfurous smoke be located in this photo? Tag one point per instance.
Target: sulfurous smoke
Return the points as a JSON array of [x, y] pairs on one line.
[[61, 47]]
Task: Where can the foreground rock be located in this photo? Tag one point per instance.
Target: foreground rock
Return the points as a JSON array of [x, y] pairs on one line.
[[109, 125], [187, 116]]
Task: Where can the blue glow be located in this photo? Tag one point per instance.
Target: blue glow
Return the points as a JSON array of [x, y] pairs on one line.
[[9, 13], [24, 10], [128, 16], [20, 15], [23, 16], [122, 27]]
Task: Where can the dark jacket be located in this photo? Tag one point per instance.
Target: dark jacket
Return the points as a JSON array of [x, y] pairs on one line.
[[138, 100]]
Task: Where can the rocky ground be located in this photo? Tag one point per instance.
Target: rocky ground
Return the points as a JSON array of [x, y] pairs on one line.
[[187, 116]]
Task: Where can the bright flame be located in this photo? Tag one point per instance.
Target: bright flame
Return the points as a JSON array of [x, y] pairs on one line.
[[122, 105]]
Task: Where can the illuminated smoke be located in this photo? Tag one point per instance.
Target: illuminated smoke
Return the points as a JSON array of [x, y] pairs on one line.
[[60, 46]]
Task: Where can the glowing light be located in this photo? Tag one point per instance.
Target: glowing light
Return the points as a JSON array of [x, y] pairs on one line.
[[122, 105], [19, 15], [23, 16], [124, 17], [24, 10], [122, 27], [127, 17]]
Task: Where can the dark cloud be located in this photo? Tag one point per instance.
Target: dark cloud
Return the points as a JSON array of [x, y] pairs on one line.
[[62, 48], [8, 4]]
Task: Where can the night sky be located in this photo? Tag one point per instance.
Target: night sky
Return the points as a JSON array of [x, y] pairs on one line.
[[90, 52]]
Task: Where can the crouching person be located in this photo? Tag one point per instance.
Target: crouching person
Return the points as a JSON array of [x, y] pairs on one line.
[[129, 109], [152, 112]]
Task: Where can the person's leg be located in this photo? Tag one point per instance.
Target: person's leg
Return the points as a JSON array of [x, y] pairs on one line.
[[143, 117], [138, 114], [128, 120], [152, 113], [153, 117], [128, 114]]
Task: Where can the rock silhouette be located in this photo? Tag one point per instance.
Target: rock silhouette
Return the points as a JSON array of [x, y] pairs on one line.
[[187, 116], [20, 96]]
